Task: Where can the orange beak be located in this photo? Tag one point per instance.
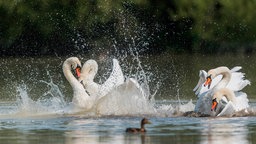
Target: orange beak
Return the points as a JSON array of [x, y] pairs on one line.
[[78, 71], [208, 81], [214, 105]]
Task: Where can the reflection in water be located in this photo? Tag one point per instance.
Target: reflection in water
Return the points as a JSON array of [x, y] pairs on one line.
[[80, 130], [81, 137], [222, 131], [101, 131]]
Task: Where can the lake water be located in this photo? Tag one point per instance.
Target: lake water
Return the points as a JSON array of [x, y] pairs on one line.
[[34, 93]]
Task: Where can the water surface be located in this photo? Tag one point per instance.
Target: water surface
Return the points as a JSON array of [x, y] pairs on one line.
[[78, 129], [34, 89]]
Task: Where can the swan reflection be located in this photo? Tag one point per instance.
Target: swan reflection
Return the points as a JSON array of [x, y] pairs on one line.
[[219, 131], [100, 131]]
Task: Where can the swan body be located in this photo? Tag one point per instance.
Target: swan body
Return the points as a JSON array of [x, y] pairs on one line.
[[216, 79], [236, 83], [115, 96], [128, 98], [80, 98], [234, 102], [89, 70]]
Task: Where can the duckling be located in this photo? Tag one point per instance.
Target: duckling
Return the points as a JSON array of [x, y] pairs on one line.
[[142, 129]]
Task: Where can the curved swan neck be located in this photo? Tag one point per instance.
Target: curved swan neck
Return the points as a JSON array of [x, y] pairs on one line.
[[68, 74], [229, 94], [225, 72], [89, 70]]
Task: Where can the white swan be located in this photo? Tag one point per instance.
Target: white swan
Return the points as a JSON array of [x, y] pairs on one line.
[[216, 79], [115, 96], [80, 98], [89, 70], [233, 102], [126, 99]]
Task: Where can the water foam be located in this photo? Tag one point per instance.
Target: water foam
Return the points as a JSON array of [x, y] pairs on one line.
[[131, 98], [126, 99], [42, 106]]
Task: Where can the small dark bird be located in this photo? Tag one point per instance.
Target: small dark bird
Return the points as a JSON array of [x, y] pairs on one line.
[[141, 129]]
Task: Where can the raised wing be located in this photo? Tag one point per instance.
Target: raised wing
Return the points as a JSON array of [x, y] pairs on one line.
[[115, 79], [238, 81], [202, 77]]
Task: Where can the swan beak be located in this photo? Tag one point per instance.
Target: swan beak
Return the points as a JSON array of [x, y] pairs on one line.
[[208, 81], [78, 71], [214, 104]]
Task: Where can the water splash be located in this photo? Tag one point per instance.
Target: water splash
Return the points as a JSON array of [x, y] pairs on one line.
[[53, 97], [42, 106], [127, 99], [25, 104], [123, 100]]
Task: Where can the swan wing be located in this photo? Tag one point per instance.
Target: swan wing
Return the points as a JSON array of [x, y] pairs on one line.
[[236, 68], [134, 82], [115, 79], [199, 88], [238, 81], [203, 104], [242, 101], [125, 99], [228, 110]]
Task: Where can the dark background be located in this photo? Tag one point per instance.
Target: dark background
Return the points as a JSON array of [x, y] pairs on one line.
[[68, 27]]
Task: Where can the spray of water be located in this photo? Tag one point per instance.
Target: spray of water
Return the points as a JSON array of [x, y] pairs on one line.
[[126, 99], [51, 102], [134, 39]]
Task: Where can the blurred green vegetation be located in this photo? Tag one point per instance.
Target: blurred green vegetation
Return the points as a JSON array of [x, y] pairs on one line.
[[47, 27]]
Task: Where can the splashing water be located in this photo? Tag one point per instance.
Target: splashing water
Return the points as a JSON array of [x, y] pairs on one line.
[[43, 106], [124, 100], [127, 99], [53, 97]]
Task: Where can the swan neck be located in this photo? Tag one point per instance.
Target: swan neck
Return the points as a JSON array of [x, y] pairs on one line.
[[92, 75], [69, 76], [89, 70], [225, 72], [229, 94]]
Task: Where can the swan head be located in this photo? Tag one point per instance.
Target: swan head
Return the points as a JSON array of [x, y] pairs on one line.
[[89, 70], [216, 98], [208, 81], [74, 64], [211, 74]]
